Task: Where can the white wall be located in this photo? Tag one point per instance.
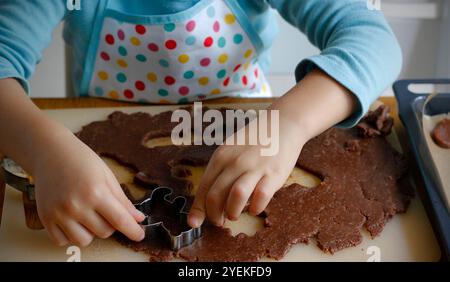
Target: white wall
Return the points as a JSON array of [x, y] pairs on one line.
[[419, 38]]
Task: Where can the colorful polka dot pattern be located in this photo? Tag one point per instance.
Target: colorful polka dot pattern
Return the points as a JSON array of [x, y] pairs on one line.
[[203, 57]]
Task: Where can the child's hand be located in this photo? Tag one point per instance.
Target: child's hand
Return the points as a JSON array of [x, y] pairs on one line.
[[237, 173], [78, 197]]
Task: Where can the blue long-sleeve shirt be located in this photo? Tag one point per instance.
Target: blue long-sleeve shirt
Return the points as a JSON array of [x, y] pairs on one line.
[[358, 48]]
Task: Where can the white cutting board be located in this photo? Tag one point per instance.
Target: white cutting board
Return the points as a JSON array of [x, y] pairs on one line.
[[406, 237]]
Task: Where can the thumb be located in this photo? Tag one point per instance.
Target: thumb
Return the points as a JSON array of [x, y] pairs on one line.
[[197, 212], [120, 196]]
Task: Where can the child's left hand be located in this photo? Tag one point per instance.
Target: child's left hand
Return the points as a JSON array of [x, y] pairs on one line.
[[239, 173], [236, 174]]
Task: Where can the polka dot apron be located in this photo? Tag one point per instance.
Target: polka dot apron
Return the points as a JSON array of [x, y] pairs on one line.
[[207, 51]]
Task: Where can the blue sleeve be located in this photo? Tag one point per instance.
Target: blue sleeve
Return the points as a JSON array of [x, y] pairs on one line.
[[25, 30], [358, 48]]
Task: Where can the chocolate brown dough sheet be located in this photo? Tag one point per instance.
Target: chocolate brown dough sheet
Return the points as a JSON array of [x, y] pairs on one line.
[[363, 185]]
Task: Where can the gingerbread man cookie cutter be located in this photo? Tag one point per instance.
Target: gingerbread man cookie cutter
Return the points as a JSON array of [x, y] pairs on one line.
[[154, 227]]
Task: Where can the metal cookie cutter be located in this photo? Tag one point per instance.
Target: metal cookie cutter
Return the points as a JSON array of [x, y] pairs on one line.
[[17, 178], [155, 227]]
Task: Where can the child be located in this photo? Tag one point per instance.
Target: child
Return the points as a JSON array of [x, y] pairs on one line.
[[175, 51]]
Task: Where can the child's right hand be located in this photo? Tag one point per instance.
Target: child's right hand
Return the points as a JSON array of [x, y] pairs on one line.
[[78, 197]]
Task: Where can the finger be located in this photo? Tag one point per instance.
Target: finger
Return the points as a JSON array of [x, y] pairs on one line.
[[197, 212], [264, 191], [57, 235], [119, 218], [122, 198], [240, 193], [76, 233], [218, 195], [97, 225]]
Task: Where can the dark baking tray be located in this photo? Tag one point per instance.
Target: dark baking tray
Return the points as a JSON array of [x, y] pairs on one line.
[[410, 106]]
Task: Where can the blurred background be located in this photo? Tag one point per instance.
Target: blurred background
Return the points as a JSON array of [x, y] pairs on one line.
[[422, 28]]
